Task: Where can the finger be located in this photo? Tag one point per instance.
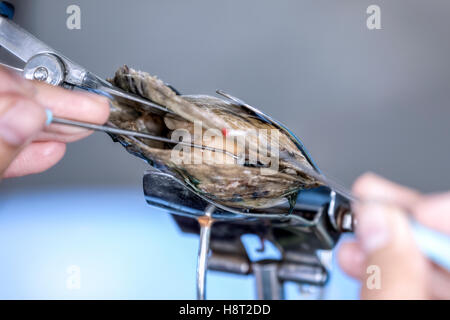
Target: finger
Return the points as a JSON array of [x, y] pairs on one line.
[[430, 210], [434, 211], [14, 83], [20, 120], [80, 106], [440, 282], [373, 187], [395, 269], [64, 134], [351, 259], [36, 157], [68, 104]]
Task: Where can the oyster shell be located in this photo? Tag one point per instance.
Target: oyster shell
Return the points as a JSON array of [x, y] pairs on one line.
[[229, 182]]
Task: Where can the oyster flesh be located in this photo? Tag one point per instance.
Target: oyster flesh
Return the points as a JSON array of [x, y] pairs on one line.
[[253, 182]]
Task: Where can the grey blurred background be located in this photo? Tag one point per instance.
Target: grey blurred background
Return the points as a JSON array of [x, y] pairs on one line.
[[359, 99]]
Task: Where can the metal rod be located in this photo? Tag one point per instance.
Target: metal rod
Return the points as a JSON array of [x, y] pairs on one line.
[[11, 68], [202, 263], [129, 96], [130, 133]]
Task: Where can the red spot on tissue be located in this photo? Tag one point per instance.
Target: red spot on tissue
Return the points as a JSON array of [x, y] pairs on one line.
[[224, 132]]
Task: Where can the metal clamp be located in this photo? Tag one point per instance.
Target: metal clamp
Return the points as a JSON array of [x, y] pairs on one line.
[[297, 241]]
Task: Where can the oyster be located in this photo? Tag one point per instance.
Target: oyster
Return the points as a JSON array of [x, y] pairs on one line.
[[253, 182]]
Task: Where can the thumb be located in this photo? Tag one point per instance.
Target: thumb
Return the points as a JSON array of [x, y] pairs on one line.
[[395, 269], [20, 120]]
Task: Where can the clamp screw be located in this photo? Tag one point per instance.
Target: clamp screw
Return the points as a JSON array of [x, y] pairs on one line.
[[40, 74]]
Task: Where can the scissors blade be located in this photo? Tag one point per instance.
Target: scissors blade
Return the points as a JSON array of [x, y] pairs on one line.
[[19, 42]]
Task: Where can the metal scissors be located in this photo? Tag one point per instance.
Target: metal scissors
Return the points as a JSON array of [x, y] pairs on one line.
[[45, 64]]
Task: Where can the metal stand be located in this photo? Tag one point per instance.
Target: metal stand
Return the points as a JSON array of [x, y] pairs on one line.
[[315, 223], [203, 250], [268, 284], [270, 275]]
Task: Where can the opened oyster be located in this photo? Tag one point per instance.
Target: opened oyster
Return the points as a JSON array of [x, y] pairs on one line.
[[271, 165]]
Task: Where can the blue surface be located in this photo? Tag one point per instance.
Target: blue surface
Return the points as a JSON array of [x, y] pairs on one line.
[[6, 9], [122, 247]]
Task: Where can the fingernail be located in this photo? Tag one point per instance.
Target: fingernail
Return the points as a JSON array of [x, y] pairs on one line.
[[372, 229], [20, 123]]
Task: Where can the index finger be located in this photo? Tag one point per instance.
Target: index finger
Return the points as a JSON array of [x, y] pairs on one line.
[[430, 210], [74, 105], [434, 211], [370, 186]]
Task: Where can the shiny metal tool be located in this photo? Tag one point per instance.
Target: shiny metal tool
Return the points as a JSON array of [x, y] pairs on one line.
[[130, 133], [45, 64]]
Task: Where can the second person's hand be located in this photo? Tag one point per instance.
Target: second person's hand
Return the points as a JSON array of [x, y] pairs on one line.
[[385, 243]]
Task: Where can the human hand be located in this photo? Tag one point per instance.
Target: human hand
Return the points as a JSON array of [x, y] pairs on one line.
[[384, 241], [27, 145]]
